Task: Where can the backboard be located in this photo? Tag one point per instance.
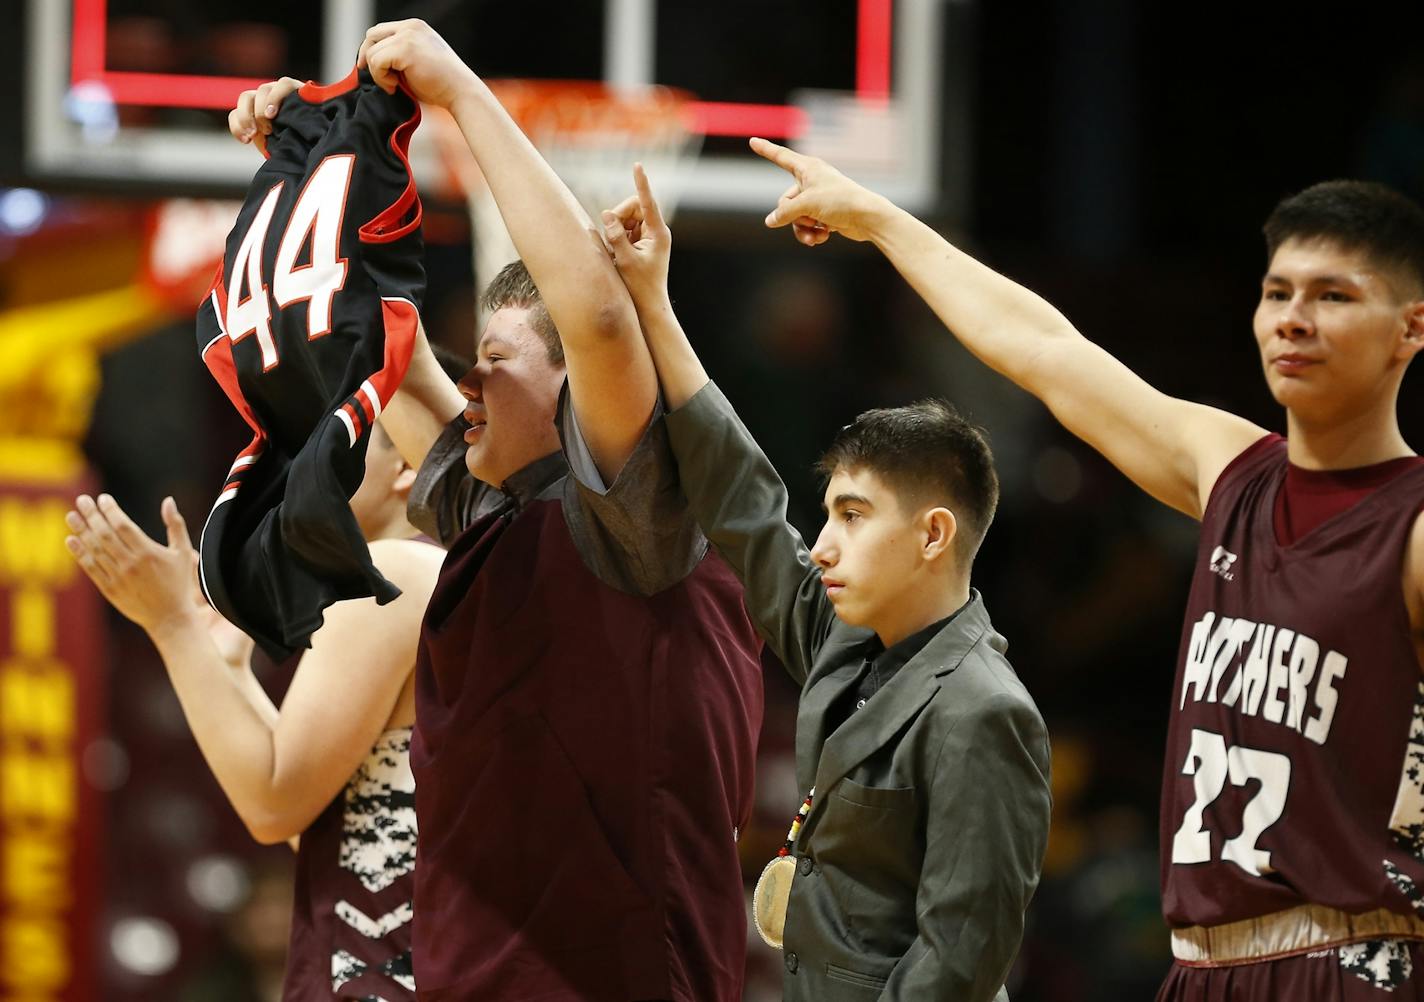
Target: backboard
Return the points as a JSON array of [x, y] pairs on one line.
[[861, 81]]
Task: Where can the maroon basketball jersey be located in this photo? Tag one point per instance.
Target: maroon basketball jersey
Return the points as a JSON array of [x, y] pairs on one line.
[[352, 906], [1295, 753], [583, 761]]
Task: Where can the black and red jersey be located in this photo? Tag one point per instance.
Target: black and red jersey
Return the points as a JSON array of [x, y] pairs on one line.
[[309, 327], [1295, 752]]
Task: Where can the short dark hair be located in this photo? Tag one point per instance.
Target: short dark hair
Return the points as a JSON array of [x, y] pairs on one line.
[[925, 452], [514, 286], [1357, 216]]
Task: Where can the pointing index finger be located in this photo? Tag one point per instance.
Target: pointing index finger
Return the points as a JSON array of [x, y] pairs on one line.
[[784, 158], [652, 214]]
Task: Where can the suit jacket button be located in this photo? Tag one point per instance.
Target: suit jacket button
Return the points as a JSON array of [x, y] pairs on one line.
[[806, 866], [791, 962]]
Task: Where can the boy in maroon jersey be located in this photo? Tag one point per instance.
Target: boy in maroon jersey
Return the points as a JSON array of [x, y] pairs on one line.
[[588, 691], [1293, 801]]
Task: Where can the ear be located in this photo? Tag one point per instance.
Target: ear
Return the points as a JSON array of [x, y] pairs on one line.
[[940, 530], [404, 481], [1413, 339]]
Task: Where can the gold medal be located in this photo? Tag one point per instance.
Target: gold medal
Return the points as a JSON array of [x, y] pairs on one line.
[[773, 890]]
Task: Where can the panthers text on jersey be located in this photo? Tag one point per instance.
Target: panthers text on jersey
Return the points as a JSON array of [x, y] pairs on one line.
[[1295, 753]]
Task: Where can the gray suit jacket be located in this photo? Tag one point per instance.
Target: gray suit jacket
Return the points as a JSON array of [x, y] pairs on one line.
[[926, 837]]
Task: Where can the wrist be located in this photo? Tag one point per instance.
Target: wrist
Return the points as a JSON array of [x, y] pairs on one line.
[[656, 303], [174, 627], [877, 214], [655, 311], [466, 93]]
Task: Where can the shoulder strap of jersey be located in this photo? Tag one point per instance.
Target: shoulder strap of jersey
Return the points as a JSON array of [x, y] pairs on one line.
[[1261, 455]]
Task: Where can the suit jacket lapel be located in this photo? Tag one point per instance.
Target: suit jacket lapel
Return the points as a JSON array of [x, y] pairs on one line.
[[873, 726], [812, 714]]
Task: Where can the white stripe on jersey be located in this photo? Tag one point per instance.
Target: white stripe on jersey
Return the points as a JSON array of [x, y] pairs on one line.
[[350, 428], [372, 397]]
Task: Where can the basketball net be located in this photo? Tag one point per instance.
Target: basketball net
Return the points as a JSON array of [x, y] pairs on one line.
[[591, 134]]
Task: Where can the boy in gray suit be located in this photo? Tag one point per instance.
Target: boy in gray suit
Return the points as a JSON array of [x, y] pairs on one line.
[[928, 759]]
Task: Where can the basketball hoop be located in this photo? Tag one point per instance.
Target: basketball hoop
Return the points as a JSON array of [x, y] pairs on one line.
[[591, 134]]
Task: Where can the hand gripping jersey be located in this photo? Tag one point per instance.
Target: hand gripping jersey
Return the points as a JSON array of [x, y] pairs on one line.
[[1295, 752], [308, 328]]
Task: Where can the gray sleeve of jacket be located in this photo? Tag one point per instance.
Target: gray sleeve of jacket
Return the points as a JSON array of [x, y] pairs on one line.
[[740, 502], [986, 834], [636, 533]]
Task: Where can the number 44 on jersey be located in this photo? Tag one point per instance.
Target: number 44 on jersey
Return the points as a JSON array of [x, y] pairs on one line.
[[315, 219]]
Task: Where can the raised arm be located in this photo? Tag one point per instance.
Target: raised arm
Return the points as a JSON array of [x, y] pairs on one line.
[[427, 399], [1173, 449], [641, 243], [611, 378], [278, 769], [426, 402], [731, 487]]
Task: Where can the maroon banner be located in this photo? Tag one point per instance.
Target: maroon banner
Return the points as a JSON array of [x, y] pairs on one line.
[[51, 710]]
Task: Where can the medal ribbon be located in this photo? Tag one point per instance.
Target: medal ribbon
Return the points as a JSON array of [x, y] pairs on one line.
[[785, 850]]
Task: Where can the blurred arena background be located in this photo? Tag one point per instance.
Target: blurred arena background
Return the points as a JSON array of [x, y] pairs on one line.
[[1118, 157]]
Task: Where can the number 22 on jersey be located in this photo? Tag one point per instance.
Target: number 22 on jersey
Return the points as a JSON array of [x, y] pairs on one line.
[[1210, 763], [317, 215]]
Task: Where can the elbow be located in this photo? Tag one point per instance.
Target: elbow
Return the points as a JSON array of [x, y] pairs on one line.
[[611, 316], [1042, 363], [606, 310], [600, 317], [1061, 335], [272, 827]]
